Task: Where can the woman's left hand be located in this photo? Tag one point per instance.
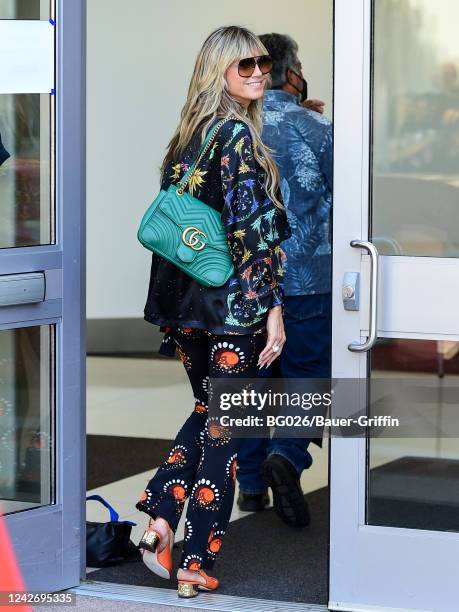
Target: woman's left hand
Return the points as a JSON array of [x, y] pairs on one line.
[[276, 337]]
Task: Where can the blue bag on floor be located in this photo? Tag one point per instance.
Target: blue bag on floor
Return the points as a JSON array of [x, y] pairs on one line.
[[108, 543]]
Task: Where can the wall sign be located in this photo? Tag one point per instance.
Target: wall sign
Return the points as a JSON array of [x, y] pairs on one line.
[[26, 56]]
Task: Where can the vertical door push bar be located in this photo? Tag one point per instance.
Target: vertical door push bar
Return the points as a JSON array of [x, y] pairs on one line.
[[374, 272]]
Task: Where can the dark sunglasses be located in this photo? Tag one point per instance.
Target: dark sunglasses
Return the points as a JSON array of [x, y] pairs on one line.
[[246, 67]]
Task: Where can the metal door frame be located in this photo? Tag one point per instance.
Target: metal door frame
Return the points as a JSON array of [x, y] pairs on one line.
[[355, 545], [50, 541]]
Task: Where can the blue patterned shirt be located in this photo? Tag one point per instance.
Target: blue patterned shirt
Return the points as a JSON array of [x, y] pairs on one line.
[[302, 146]]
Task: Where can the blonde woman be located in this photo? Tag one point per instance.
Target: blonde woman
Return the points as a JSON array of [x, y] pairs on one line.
[[227, 331]]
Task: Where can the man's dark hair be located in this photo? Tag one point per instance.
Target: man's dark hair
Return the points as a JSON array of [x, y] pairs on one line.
[[283, 49]]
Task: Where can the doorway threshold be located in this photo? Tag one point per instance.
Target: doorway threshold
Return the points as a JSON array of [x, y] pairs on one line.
[[204, 601]]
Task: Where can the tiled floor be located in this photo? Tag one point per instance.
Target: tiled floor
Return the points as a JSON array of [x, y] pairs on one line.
[[136, 397]]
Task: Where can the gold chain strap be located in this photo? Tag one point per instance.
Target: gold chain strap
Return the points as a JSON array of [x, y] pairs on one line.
[[183, 186]]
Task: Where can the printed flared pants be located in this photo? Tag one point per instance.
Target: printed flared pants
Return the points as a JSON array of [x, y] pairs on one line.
[[201, 465]]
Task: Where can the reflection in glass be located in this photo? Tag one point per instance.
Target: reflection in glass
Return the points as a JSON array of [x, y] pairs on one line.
[[24, 9], [26, 418], [26, 214], [415, 131], [414, 483]]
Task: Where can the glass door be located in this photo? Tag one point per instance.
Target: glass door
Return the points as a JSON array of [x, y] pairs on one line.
[[394, 492], [41, 288]]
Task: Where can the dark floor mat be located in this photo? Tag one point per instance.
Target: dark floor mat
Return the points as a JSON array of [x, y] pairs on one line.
[[261, 557], [416, 493], [111, 458]]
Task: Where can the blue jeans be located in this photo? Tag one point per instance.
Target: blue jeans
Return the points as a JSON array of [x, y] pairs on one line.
[[306, 354]]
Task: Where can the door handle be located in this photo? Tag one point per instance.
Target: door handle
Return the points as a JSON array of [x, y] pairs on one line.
[[374, 272]]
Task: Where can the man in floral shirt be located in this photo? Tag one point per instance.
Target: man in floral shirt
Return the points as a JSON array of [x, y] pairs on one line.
[[301, 140]]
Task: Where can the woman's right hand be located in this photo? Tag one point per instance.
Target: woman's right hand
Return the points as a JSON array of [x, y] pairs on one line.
[[276, 337]]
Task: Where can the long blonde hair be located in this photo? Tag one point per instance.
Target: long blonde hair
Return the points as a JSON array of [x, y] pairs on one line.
[[208, 98]]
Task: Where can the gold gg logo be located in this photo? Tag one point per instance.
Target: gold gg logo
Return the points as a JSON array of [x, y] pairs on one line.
[[190, 238]]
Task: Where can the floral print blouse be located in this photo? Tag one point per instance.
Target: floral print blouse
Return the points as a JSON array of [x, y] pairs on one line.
[[230, 180]]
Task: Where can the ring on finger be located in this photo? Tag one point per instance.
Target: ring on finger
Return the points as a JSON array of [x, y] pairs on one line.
[[275, 348]]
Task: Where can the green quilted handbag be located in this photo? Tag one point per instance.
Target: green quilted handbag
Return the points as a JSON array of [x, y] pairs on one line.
[[188, 232]]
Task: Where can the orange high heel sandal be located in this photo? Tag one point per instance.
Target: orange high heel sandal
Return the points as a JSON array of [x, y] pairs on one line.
[[186, 588], [157, 560]]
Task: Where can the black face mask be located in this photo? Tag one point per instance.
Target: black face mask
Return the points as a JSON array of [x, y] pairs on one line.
[[302, 93]]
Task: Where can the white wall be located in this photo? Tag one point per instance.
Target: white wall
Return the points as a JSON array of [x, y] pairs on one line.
[[140, 58]]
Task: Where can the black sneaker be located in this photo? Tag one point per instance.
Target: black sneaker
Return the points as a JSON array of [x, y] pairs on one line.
[[252, 502], [289, 502]]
